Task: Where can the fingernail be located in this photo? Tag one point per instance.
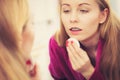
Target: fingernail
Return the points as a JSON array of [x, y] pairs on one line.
[[32, 73], [28, 62], [67, 43], [71, 42]]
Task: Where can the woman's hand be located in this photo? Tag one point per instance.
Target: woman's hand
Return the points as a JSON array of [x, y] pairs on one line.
[[33, 70], [79, 59]]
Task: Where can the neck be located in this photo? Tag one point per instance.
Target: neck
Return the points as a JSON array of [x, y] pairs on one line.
[[91, 43]]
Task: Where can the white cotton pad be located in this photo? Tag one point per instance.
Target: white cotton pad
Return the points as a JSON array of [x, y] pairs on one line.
[[75, 41]]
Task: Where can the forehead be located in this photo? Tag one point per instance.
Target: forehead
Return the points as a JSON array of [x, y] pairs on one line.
[[78, 2]]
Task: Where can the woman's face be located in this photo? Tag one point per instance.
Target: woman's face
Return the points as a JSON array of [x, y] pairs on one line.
[[81, 18], [27, 38]]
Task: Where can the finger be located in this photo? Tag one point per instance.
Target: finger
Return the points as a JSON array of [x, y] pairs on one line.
[[71, 56], [72, 50], [79, 51], [29, 65], [80, 55], [74, 58], [33, 72], [75, 62]]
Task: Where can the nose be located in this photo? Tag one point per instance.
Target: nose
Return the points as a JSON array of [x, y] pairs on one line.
[[73, 17]]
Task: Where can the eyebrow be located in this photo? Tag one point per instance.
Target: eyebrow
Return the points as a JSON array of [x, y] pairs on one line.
[[65, 4], [84, 4], [78, 4]]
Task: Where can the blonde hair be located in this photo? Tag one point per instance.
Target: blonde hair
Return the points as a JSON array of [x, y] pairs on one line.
[[60, 35], [13, 16], [110, 35]]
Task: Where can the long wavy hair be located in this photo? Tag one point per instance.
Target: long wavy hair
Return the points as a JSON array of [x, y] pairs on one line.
[[110, 34], [13, 16]]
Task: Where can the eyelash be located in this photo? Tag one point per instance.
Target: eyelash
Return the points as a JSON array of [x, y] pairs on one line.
[[66, 11], [84, 11], [24, 28]]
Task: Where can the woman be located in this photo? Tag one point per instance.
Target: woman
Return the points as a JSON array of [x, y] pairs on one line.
[[16, 39], [97, 29]]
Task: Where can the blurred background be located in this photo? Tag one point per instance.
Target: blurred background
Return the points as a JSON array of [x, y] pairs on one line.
[[46, 21]]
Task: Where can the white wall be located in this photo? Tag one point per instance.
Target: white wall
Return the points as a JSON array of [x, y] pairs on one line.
[[45, 23], [116, 6]]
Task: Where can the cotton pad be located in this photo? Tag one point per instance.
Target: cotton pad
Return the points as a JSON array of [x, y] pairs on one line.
[[75, 41]]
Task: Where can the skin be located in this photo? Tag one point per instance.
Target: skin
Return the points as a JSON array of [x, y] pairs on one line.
[[27, 35], [81, 19]]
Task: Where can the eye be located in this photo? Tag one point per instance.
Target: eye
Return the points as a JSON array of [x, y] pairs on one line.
[[84, 11], [24, 27], [66, 11]]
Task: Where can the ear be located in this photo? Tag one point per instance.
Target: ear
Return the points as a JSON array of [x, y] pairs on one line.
[[103, 15]]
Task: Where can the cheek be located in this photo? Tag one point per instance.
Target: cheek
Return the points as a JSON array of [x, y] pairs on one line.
[[66, 26], [28, 36], [91, 25], [27, 41], [65, 21], [94, 18], [92, 22]]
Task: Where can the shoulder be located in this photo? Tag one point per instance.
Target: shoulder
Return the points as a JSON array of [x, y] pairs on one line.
[[53, 43], [54, 47]]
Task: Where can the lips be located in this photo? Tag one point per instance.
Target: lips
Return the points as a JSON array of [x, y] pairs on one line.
[[75, 30]]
